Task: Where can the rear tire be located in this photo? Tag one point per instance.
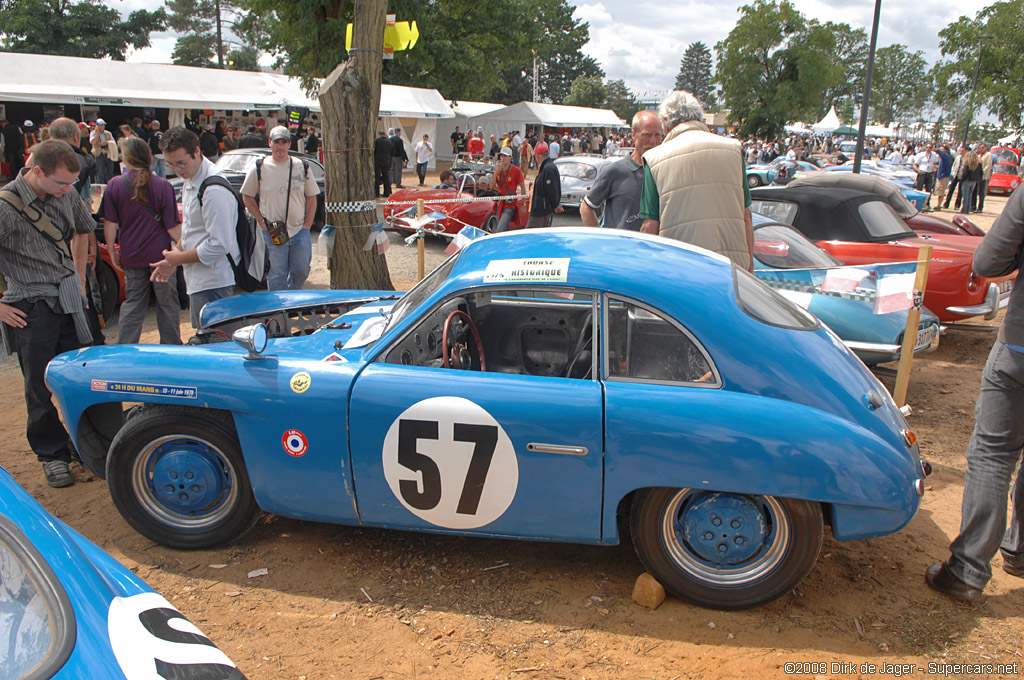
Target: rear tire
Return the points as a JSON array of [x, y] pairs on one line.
[[110, 290], [491, 224], [753, 181], [725, 551], [177, 476]]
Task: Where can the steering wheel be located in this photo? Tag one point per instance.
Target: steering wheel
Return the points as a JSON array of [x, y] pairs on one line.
[[458, 356]]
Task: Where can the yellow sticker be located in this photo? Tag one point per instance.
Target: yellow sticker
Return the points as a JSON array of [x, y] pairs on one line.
[[301, 382]]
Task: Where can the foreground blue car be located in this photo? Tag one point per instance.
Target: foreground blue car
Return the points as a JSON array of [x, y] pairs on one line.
[[68, 610], [537, 385]]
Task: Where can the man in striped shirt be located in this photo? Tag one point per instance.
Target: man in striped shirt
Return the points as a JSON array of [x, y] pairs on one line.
[[42, 308]]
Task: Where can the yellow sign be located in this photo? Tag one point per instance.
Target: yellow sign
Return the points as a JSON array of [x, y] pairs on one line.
[[398, 36], [300, 382]]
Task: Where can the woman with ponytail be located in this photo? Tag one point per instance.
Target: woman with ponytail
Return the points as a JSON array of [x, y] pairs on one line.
[[140, 213]]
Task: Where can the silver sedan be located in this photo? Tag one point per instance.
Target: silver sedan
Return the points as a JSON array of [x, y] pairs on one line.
[[578, 174]]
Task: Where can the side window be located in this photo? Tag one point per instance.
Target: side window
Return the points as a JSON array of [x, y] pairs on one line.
[[540, 331], [644, 345]]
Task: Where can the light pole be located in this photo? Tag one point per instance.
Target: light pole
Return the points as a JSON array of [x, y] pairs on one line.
[[974, 85], [862, 127]]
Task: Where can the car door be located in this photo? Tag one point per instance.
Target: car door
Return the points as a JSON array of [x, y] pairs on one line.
[[514, 450]]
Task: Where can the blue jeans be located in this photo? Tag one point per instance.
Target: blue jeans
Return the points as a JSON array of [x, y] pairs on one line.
[[289, 263], [992, 456], [197, 300], [159, 167]]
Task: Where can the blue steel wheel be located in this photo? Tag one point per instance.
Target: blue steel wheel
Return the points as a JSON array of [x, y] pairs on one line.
[[725, 551], [177, 476]]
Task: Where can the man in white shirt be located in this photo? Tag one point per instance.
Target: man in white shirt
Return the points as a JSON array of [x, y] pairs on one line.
[[207, 229], [926, 164], [424, 151], [554, 149], [285, 210]]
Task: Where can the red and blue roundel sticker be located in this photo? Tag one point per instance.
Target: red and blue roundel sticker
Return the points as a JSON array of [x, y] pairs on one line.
[[295, 443]]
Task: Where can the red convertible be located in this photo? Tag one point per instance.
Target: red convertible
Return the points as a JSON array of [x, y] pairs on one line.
[[862, 228], [451, 217]]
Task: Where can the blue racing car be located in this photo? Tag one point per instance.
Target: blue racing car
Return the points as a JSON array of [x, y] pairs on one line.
[[68, 610], [537, 385]]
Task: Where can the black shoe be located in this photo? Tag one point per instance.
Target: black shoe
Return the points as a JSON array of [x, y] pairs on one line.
[[57, 474], [1014, 566], [939, 578]]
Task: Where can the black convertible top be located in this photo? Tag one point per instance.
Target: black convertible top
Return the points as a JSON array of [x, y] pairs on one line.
[[822, 213]]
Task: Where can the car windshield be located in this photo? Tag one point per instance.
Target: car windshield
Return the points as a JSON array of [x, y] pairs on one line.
[[235, 162], [583, 171], [781, 247], [34, 608], [1005, 156], [1005, 168], [422, 290], [882, 222], [240, 162]]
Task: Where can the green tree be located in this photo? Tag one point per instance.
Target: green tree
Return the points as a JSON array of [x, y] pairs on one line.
[[560, 58], [209, 29], [243, 59], [900, 86], [75, 29], [850, 56], [695, 74], [774, 66], [620, 99], [995, 35], [587, 91]]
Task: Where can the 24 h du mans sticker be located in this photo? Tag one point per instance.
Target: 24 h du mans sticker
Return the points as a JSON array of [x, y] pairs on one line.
[[450, 463], [153, 641]]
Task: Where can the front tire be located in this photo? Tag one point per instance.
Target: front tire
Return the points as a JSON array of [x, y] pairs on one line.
[[753, 181], [177, 476], [725, 551]]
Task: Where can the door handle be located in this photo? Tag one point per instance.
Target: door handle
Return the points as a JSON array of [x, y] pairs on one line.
[[559, 449]]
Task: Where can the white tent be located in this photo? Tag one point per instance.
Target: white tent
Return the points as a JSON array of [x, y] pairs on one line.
[[531, 114], [1011, 139], [464, 112], [827, 124], [798, 128]]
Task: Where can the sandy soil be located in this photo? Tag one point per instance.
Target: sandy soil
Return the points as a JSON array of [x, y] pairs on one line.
[[343, 602]]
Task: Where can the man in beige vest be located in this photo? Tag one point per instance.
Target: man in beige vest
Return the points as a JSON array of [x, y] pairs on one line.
[[695, 187]]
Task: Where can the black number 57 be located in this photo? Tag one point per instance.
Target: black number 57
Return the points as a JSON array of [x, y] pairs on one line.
[[485, 439]]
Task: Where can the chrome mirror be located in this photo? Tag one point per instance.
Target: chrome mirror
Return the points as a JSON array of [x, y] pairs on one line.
[[253, 338]]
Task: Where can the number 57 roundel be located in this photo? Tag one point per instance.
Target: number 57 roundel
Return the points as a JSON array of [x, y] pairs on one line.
[[450, 463]]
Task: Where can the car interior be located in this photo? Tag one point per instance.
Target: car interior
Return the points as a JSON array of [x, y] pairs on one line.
[[551, 333]]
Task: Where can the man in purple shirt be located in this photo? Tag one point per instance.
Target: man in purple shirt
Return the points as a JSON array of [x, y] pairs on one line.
[[140, 212]]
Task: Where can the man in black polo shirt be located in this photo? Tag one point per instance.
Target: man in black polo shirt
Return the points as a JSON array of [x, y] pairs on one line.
[[42, 309]]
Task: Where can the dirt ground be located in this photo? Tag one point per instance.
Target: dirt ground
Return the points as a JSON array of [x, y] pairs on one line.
[[344, 602]]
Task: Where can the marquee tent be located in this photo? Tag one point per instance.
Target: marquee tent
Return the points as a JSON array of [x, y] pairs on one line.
[[827, 124], [464, 112], [531, 114]]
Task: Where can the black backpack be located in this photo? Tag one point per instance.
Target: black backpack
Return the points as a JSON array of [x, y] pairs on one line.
[[252, 250]]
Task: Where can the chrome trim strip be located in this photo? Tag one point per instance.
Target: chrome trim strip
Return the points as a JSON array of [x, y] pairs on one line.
[[876, 347], [559, 449]]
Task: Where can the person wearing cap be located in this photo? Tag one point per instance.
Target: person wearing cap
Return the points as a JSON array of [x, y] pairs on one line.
[[14, 147], [31, 137], [508, 181], [101, 140], [209, 145], [287, 193], [547, 190]]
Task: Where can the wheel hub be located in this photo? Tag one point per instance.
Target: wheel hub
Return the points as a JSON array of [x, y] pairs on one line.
[[724, 529], [186, 477]]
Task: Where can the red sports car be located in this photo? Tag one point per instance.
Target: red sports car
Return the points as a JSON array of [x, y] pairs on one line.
[[451, 217], [862, 228], [1006, 174]]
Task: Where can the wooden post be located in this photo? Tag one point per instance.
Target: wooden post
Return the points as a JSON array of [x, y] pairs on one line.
[[350, 100], [420, 245], [899, 395]]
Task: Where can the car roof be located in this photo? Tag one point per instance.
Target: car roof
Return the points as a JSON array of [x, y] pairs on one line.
[[643, 263], [872, 184], [823, 212]]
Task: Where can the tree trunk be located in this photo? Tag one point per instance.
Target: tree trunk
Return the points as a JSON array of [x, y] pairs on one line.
[[350, 101]]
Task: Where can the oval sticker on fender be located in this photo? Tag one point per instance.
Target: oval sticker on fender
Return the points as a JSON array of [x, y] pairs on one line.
[[450, 463]]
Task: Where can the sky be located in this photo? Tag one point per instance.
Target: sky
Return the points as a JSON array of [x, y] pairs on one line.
[[643, 41]]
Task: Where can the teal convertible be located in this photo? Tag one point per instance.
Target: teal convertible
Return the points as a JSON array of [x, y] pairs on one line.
[[538, 385]]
